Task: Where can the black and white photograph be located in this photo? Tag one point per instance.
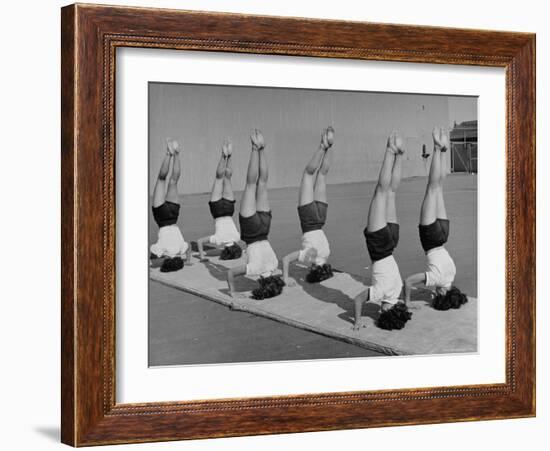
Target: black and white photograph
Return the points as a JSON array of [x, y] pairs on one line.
[[299, 224], [268, 225]]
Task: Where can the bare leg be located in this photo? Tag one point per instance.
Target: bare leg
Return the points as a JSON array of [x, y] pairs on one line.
[[428, 211], [217, 187], [227, 186], [248, 201], [391, 212], [172, 193], [320, 191], [377, 210], [258, 145], [441, 212], [159, 193], [308, 177], [262, 199]]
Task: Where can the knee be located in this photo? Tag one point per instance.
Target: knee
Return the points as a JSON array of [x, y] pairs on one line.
[[382, 188], [262, 180], [251, 179], [228, 173], [250, 186], [162, 176], [309, 170]]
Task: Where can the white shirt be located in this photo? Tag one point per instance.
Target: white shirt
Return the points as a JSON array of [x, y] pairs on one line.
[[170, 242], [386, 283], [441, 270], [226, 232], [315, 241], [260, 259]]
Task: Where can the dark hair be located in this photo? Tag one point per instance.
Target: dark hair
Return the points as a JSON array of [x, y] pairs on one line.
[[171, 264], [395, 317], [269, 287], [318, 273], [231, 252], [453, 298]]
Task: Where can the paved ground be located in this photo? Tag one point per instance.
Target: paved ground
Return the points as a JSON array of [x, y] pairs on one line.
[[186, 329]]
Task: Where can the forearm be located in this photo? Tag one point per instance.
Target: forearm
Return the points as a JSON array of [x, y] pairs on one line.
[[231, 274], [286, 263], [358, 305], [410, 283], [200, 245], [231, 282], [408, 289]]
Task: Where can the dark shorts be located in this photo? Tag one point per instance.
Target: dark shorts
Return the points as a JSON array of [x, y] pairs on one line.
[[166, 214], [382, 242], [313, 216], [256, 227], [222, 207], [435, 234]]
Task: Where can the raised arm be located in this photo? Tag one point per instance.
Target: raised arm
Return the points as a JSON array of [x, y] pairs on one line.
[[287, 260], [410, 282], [231, 274]]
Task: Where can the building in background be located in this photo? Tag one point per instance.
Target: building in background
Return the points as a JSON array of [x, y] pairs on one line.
[[291, 119], [464, 147]]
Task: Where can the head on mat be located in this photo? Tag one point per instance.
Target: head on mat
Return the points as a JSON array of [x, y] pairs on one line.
[[269, 287], [222, 208], [382, 236], [312, 213], [433, 229], [166, 208], [255, 222]]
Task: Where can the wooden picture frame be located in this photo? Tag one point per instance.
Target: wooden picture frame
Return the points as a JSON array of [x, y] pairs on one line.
[[90, 36]]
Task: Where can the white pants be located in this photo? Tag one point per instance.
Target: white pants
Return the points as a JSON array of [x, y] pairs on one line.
[[170, 242]]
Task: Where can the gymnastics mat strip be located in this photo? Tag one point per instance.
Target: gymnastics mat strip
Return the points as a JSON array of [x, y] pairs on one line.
[[326, 308]]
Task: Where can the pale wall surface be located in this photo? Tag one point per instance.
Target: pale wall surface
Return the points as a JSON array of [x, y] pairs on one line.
[[291, 119]]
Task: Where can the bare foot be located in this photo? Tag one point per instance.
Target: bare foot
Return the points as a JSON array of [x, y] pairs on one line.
[[257, 140], [395, 143], [227, 147], [169, 146], [327, 138], [441, 138], [173, 146]]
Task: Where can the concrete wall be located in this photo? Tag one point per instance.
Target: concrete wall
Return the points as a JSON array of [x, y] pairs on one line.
[[291, 119]]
